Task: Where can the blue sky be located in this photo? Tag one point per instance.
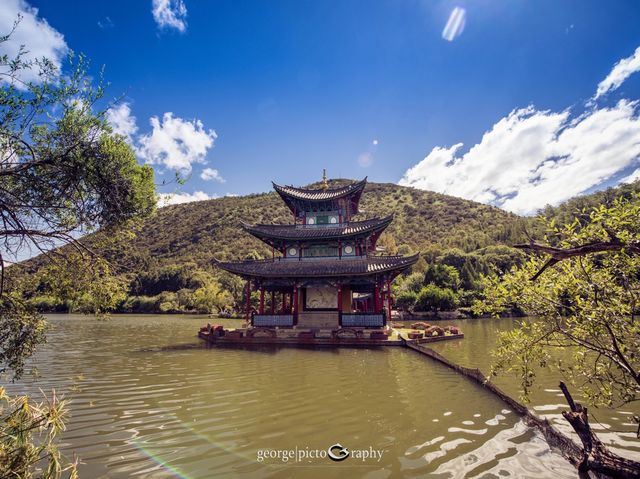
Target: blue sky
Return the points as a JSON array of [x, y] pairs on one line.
[[365, 88]]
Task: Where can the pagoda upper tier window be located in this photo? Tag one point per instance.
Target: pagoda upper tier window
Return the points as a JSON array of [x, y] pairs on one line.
[[331, 218], [318, 251]]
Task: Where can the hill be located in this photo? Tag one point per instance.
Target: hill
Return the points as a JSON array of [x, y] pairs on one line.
[[423, 220], [172, 256]]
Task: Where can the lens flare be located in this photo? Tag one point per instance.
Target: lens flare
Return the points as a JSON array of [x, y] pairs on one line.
[[455, 25]]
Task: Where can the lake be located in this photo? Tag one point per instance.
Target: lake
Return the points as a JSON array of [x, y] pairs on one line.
[[149, 400]]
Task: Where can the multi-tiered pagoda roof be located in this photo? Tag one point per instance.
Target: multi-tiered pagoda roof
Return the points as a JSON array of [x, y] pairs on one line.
[[327, 266], [275, 235]]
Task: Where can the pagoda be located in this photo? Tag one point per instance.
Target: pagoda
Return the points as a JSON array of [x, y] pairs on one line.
[[327, 273]]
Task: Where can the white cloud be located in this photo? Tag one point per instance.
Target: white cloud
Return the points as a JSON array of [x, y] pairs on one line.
[[212, 174], [532, 158], [166, 199], [365, 159], [38, 37], [170, 14], [619, 73], [175, 143], [122, 121], [632, 177], [375, 142]]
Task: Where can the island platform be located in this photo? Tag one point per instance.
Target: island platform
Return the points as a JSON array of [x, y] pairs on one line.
[[343, 337]]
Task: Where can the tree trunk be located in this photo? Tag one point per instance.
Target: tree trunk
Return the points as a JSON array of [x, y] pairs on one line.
[[595, 455]]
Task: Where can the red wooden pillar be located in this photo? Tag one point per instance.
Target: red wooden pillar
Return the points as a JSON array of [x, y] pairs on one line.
[[261, 299], [389, 300], [273, 302], [294, 305], [248, 312], [340, 304], [376, 299], [340, 249]]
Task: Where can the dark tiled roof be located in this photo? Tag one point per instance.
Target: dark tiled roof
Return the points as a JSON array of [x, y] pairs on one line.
[[328, 194], [293, 268], [291, 232]]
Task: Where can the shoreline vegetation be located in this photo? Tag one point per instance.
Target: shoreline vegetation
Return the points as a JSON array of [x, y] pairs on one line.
[[167, 267]]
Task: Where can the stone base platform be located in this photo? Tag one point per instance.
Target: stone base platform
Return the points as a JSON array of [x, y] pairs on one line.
[[343, 337]]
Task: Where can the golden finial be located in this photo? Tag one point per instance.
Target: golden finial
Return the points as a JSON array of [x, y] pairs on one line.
[[325, 185]]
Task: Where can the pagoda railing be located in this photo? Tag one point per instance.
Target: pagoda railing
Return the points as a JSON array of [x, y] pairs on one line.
[[295, 258], [269, 320], [363, 320]]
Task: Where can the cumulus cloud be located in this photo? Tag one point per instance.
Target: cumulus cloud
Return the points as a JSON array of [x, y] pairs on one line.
[[632, 177], [211, 174], [175, 143], [170, 14], [38, 37], [166, 199], [619, 73], [122, 121], [531, 158]]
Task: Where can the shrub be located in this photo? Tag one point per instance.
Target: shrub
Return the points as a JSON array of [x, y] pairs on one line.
[[48, 304], [406, 300], [434, 298], [442, 275]]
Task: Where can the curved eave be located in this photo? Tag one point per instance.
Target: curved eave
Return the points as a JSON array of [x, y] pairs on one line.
[[293, 233], [319, 268], [319, 195]]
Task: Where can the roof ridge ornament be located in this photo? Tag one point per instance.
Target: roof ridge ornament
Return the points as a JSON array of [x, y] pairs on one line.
[[325, 185]]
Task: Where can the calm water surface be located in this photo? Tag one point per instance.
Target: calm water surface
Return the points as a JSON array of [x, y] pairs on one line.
[[148, 400]]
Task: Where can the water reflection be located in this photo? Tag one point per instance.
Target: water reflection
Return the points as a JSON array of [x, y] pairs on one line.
[[148, 400]]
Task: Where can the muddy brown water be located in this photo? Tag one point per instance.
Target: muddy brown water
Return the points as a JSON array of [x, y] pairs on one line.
[[149, 400]]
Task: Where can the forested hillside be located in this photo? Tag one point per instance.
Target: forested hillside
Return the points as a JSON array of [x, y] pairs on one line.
[[169, 265], [198, 232]]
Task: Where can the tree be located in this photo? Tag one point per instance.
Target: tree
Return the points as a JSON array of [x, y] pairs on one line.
[[442, 275], [63, 173], [434, 298], [406, 300], [413, 282], [212, 298], [586, 292], [584, 289]]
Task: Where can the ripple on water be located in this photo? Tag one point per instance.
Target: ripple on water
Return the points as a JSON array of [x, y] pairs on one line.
[[147, 401]]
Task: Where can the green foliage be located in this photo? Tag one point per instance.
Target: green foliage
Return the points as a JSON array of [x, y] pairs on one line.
[[22, 329], [48, 304], [406, 300], [196, 233], [212, 299], [169, 278], [64, 174], [28, 433], [442, 275], [413, 283], [435, 298], [84, 283], [587, 304]]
